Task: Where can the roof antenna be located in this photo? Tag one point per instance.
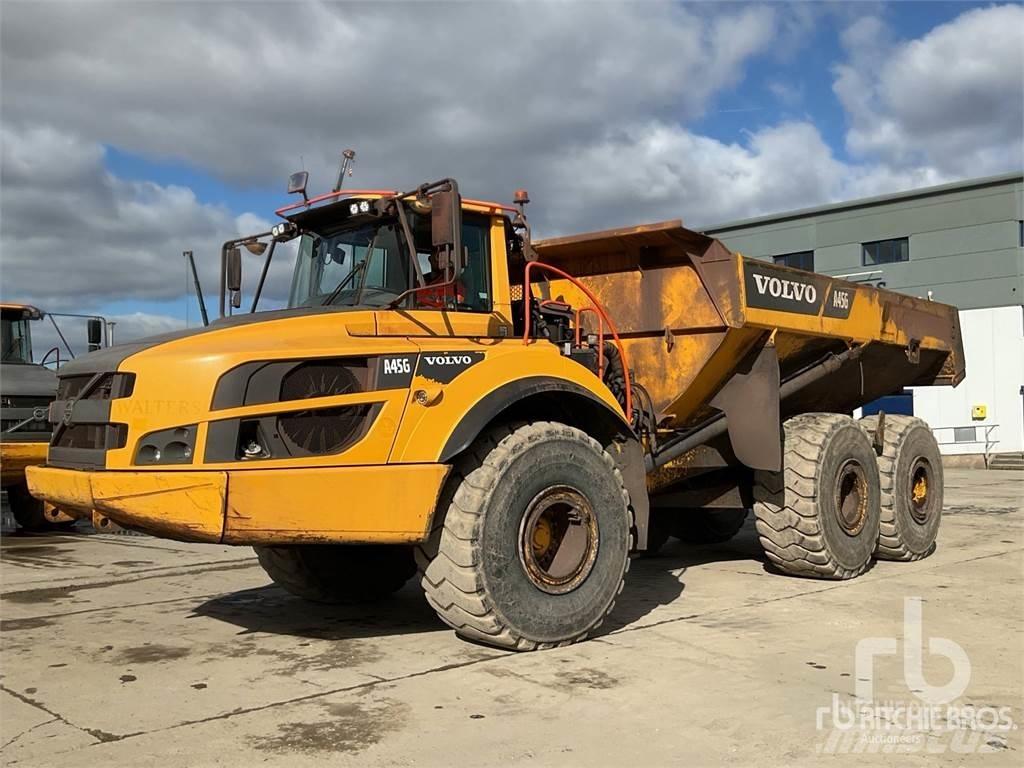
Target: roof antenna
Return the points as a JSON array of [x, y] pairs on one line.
[[520, 224], [348, 157]]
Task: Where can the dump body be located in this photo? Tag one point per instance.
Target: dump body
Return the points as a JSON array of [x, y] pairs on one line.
[[692, 315], [689, 310]]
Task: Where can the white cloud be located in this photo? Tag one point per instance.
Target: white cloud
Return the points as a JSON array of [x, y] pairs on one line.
[[952, 100], [127, 327], [587, 105], [487, 92], [74, 236], [668, 172], [788, 94]]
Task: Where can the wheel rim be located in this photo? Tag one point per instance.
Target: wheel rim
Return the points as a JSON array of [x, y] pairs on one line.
[[558, 539], [921, 491], [851, 496]]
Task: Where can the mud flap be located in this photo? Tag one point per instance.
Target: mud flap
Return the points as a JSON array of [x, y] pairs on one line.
[[750, 401], [630, 457]]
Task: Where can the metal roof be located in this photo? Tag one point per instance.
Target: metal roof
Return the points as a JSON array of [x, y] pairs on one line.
[[940, 189], [28, 309]]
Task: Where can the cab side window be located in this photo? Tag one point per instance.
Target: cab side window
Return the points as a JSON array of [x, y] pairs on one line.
[[476, 274]]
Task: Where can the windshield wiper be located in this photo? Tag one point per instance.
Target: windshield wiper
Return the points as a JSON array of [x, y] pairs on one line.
[[341, 286], [369, 255], [355, 271]]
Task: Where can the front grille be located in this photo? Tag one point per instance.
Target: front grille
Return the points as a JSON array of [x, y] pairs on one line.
[[83, 432], [108, 387], [14, 412], [27, 401], [95, 437], [36, 429]]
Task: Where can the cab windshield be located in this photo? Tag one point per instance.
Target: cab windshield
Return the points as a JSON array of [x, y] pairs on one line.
[[16, 344], [363, 265], [369, 264]]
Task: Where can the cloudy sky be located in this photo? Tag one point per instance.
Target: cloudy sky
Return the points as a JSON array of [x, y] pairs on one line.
[[133, 131]]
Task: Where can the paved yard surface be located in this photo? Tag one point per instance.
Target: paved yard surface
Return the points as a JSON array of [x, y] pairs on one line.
[[128, 651]]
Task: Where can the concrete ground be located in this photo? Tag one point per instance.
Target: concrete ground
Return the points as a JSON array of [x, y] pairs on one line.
[[125, 650]]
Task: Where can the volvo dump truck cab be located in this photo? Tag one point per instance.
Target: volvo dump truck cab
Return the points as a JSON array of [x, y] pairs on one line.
[[510, 419]]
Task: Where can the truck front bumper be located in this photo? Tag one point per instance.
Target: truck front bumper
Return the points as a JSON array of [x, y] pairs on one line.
[[344, 505]]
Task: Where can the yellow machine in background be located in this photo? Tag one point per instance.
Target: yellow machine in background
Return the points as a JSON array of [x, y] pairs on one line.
[[510, 418], [26, 390]]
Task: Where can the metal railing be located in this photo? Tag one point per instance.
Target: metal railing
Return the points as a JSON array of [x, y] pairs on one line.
[[987, 442]]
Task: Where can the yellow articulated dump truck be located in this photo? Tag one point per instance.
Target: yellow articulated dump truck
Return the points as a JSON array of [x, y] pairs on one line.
[[510, 419]]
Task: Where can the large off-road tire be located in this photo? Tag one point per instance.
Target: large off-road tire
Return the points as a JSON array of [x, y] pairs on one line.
[[910, 475], [534, 544], [819, 516], [338, 573], [27, 510], [707, 526]]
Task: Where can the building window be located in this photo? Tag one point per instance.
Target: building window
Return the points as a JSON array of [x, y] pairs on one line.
[[801, 260], [1020, 237], [885, 251], [965, 435]]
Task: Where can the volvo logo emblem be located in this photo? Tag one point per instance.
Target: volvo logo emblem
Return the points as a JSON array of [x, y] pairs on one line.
[[69, 409]]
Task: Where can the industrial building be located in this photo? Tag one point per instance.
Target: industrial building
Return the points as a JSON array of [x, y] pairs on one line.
[[960, 243]]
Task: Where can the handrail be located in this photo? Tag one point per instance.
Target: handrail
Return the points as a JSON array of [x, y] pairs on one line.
[[528, 295], [600, 336], [381, 193], [329, 195], [46, 358], [986, 442]]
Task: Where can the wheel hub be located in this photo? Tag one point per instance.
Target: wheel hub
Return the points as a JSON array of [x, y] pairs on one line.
[[558, 539], [851, 497], [920, 499]]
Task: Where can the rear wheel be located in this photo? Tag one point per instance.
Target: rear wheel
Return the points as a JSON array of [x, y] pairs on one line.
[[910, 474], [28, 511], [338, 573], [708, 526], [819, 516], [533, 547]]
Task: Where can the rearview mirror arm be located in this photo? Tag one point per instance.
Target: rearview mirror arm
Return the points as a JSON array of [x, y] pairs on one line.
[[263, 276], [223, 274], [199, 290], [415, 271], [61, 335]]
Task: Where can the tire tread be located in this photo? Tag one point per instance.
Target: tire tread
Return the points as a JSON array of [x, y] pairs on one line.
[[448, 560], [791, 533]]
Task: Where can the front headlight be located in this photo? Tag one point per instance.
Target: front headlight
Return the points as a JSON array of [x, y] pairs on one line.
[[167, 446]]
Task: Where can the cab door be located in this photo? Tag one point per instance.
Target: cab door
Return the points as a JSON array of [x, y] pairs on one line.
[[482, 313]]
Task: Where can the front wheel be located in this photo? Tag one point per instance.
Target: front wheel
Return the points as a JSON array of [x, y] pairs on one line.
[[28, 511], [338, 573], [534, 545]]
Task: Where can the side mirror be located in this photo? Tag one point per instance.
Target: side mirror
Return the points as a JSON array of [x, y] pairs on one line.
[[94, 332], [234, 276], [446, 225], [297, 183]]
